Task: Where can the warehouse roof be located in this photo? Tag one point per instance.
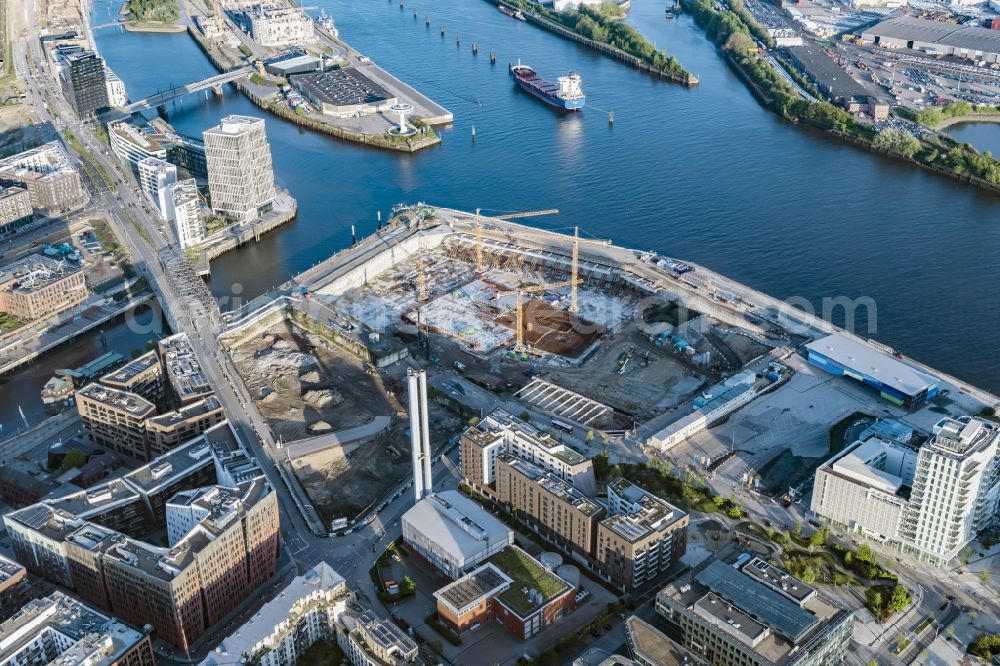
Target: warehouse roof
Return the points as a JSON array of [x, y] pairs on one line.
[[342, 87], [456, 524], [938, 32], [871, 362]]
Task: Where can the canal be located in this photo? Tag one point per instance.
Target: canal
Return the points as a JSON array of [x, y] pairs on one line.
[[703, 173], [20, 391]]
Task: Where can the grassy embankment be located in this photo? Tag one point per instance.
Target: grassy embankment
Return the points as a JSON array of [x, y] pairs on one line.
[[602, 23], [731, 32]]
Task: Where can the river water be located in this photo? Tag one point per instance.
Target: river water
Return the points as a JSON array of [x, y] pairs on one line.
[[703, 173]]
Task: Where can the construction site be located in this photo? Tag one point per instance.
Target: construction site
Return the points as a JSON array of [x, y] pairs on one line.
[[542, 324]]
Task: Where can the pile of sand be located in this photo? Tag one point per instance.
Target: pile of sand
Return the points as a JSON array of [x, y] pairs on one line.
[[320, 398], [319, 427], [311, 377]]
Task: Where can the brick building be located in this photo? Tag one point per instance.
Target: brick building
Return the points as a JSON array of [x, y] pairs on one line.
[[36, 286]]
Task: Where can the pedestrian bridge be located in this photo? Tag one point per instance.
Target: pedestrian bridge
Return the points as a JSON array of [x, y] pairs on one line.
[[175, 92]]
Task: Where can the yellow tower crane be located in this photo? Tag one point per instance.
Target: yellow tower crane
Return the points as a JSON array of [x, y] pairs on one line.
[[508, 216], [519, 345]]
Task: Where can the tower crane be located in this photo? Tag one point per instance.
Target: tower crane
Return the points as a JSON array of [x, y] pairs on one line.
[[508, 216], [519, 345]]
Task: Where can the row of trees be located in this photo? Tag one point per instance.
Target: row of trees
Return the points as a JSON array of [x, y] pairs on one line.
[[602, 23], [934, 117]]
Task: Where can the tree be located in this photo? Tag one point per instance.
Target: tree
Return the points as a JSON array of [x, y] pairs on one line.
[[817, 538], [590, 436], [718, 500], [985, 646], [899, 599], [740, 42], [984, 576], [798, 528], [74, 458], [897, 141], [526, 416]]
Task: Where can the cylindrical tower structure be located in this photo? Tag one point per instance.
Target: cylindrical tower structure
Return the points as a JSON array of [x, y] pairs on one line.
[[413, 389], [425, 433]]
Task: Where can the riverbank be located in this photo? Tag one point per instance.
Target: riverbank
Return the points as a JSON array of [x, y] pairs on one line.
[[971, 118], [937, 153], [325, 124], [653, 61], [153, 27]]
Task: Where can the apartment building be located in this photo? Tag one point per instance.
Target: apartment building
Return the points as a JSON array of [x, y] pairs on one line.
[[562, 512], [502, 433], [643, 536], [142, 376], [115, 419], [651, 647], [184, 212], [279, 26], [15, 590], [240, 173], [117, 95], [82, 77], [15, 209], [92, 543], [185, 379], [166, 431], [956, 489], [156, 176], [928, 502], [739, 610], [305, 611], [37, 286], [53, 184], [368, 640], [60, 630]]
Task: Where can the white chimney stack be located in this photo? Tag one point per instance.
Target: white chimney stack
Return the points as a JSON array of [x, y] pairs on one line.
[[420, 445]]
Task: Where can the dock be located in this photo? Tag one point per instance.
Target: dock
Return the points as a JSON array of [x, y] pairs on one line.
[[233, 236]]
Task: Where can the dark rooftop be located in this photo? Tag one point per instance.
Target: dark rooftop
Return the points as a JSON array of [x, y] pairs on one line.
[[342, 87]]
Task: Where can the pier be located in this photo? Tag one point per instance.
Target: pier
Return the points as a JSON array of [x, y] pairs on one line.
[[233, 236]]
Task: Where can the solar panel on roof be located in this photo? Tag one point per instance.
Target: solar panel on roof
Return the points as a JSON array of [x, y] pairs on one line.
[[35, 517], [781, 615]]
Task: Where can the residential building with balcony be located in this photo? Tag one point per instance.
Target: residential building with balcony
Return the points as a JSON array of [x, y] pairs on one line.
[[115, 419], [502, 433], [60, 630], [15, 209], [15, 590], [368, 640], [641, 539]]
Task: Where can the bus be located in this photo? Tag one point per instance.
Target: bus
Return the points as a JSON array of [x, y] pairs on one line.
[[562, 425]]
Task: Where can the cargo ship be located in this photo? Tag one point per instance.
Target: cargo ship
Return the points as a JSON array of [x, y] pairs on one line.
[[514, 15], [565, 94]]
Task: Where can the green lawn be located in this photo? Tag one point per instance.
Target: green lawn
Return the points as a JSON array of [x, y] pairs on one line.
[[525, 572]]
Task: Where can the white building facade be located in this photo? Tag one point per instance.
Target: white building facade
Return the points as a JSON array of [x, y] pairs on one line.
[[240, 173], [185, 213], [155, 178], [117, 95]]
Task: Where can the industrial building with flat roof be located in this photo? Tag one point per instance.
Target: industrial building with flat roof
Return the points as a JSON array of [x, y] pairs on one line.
[[63, 631], [935, 38], [343, 92], [896, 381], [453, 533], [739, 610], [223, 539], [37, 286], [651, 647]]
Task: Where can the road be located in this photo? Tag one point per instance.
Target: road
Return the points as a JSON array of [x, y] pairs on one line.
[[348, 553]]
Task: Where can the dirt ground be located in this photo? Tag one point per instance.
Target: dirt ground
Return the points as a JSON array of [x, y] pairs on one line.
[[552, 329], [345, 481], [304, 387], [641, 392]]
